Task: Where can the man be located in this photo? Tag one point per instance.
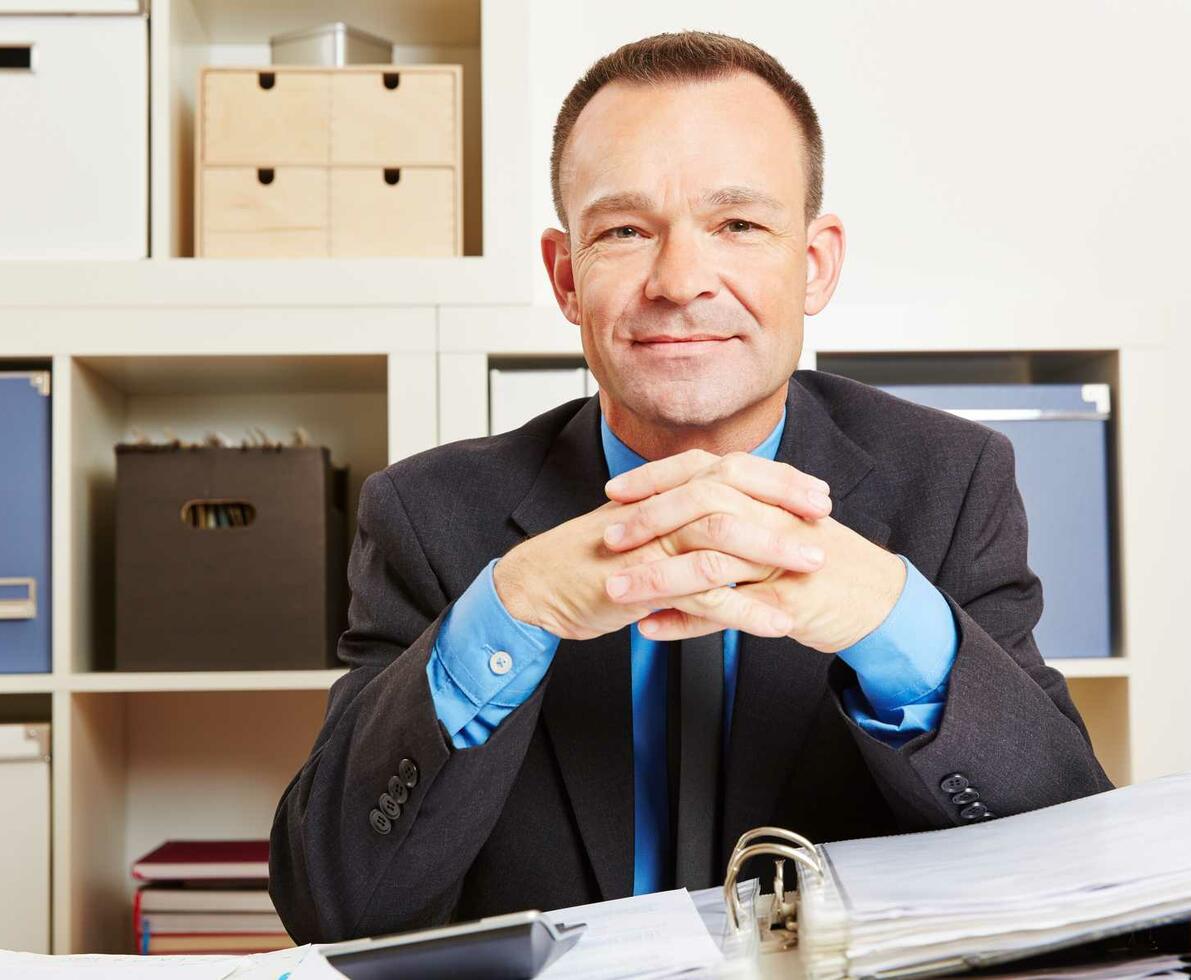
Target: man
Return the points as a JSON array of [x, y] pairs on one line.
[[802, 602]]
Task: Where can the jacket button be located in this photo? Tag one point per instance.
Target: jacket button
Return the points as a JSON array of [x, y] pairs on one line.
[[954, 783], [389, 806], [380, 823], [973, 810], [407, 771], [965, 796], [397, 789]]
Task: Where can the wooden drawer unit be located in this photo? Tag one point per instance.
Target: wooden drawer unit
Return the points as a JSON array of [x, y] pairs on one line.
[[406, 211], [401, 117], [264, 212], [313, 161], [262, 118]]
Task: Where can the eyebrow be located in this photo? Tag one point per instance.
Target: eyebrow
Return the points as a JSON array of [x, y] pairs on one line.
[[733, 196]]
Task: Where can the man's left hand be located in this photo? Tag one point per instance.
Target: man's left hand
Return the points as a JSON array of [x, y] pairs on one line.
[[831, 608]]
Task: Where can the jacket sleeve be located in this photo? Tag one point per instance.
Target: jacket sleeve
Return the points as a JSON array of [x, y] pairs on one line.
[[1010, 737], [344, 861]]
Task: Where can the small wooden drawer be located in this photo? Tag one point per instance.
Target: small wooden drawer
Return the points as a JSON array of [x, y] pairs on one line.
[[263, 212], [406, 211], [396, 118], [265, 116]]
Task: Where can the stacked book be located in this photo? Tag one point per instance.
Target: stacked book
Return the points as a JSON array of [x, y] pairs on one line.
[[206, 896]]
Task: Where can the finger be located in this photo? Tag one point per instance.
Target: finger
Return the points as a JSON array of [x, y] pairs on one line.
[[736, 609], [669, 510], [658, 476], [773, 547], [674, 624], [680, 575], [774, 483]]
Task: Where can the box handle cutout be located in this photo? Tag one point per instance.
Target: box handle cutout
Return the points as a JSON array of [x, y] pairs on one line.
[[392, 175], [16, 57], [19, 606], [265, 175], [215, 515], [392, 79], [266, 79]]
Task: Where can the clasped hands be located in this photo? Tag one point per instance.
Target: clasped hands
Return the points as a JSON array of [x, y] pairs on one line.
[[695, 543]]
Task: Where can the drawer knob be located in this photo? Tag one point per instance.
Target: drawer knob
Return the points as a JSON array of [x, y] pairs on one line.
[[265, 175], [266, 79], [392, 79], [392, 175]]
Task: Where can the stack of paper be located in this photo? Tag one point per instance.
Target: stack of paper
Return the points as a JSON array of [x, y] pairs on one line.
[[1002, 888], [647, 936]]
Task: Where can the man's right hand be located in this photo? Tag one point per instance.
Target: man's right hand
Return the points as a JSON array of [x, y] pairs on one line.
[[556, 579]]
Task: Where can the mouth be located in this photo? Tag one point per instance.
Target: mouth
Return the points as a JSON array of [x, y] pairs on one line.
[[692, 344]]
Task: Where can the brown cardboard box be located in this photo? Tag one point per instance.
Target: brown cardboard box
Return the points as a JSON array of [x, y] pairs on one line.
[[268, 594]]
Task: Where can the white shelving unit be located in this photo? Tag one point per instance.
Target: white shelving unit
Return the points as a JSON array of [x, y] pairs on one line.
[[378, 358]]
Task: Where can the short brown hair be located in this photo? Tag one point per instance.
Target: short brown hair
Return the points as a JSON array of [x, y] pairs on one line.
[[694, 56]]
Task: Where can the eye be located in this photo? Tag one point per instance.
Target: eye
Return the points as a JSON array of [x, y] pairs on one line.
[[611, 231], [741, 221]]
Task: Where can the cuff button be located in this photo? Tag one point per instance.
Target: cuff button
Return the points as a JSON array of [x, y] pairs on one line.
[[500, 662], [955, 783], [407, 772], [398, 790], [389, 806], [973, 811], [380, 823], [963, 797]]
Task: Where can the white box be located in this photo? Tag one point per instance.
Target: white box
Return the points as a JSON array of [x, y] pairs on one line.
[[74, 123], [515, 395], [25, 837]]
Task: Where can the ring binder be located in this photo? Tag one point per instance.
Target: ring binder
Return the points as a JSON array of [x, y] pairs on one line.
[[1033, 882]]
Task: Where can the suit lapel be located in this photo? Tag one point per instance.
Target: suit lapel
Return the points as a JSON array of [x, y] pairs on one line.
[[780, 683], [588, 707]]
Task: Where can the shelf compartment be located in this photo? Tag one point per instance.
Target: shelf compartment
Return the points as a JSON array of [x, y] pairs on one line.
[[340, 400]]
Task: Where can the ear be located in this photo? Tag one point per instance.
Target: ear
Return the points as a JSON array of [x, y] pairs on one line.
[[556, 253], [824, 259]]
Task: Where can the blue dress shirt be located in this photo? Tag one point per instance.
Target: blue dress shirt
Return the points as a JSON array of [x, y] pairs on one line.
[[485, 663]]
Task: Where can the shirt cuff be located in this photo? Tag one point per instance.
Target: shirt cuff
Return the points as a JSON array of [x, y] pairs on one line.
[[483, 656], [910, 654]]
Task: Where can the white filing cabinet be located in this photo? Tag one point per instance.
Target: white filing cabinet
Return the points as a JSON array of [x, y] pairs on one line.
[[25, 837], [74, 124]]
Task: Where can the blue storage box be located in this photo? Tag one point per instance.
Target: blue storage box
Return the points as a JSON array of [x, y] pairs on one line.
[[24, 522], [1060, 436]]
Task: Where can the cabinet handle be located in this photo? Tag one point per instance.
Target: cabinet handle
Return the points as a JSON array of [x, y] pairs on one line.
[[265, 175], [24, 607], [392, 175], [16, 57], [392, 79], [266, 79]]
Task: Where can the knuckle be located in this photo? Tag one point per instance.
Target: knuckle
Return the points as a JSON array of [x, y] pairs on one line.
[[731, 465], [710, 565], [714, 598], [653, 578], [719, 527]]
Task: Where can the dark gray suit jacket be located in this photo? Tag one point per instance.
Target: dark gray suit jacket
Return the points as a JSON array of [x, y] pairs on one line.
[[541, 815]]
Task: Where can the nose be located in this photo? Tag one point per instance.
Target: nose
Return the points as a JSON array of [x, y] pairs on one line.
[[681, 270]]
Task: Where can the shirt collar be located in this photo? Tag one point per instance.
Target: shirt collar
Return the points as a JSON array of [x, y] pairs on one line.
[[620, 458]]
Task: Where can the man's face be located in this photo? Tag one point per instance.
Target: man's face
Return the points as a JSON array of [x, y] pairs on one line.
[[686, 263]]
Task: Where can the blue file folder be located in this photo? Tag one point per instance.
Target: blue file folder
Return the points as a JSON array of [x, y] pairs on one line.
[[24, 522], [1060, 436]]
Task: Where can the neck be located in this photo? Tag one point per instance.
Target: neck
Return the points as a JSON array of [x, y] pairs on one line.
[[741, 432]]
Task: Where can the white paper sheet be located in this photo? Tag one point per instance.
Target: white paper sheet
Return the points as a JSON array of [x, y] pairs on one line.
[[658, 935], [294, 963]]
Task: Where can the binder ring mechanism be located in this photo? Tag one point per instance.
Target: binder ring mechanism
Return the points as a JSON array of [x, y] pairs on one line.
[[783, 912]]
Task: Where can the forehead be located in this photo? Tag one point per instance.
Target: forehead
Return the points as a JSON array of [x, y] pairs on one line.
[[683, 137]]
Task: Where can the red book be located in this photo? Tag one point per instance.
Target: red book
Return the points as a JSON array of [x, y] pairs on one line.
[[226, 859]]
